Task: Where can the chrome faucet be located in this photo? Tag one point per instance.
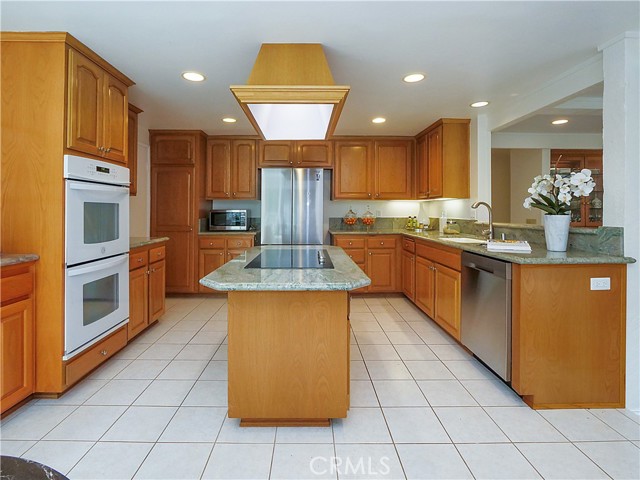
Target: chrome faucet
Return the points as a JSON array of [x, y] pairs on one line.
[[489, 232]]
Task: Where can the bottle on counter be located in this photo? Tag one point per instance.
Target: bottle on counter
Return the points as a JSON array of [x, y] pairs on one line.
[[443, 222]]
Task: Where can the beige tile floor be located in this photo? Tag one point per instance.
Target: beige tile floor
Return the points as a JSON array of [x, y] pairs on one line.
[[421, 408]]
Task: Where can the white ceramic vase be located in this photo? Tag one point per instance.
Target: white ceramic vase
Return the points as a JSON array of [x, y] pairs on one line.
[[556, 232]]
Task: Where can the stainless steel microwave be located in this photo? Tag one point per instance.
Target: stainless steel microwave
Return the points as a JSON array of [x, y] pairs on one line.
[[229, 220]]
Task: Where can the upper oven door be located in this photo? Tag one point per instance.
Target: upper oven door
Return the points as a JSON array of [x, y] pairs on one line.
[[96, 221]]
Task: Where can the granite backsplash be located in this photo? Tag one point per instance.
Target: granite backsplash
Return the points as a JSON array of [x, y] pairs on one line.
[[605, 240]]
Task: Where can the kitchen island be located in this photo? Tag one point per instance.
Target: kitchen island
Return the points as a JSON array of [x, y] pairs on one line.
[[288, 337]]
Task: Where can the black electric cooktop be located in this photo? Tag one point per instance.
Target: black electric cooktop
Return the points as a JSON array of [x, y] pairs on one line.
[[286, 257]]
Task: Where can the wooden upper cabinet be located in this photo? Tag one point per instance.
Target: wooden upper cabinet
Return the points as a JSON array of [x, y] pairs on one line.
[[84, 120], [314, 153], [422, 169], [218, 169], [276, 153], [132, 146], [443, 160], [299, 153], [231, 171], [393, 170], [244, 171], [435, 163], [353, 170], [97, 114], [178, 149]]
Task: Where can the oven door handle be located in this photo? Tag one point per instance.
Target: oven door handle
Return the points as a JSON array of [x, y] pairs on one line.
[[96, 187], [96, 266]]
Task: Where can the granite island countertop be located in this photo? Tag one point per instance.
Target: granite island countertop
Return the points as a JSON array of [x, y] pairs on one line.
[[232, 276], [7, 259], [538, 256], [137, 242]]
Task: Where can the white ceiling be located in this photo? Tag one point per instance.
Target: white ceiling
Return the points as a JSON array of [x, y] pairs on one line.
[[469, 51]]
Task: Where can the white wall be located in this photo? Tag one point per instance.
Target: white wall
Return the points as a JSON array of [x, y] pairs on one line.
[[621, 112], [525, 165], [501, 184], [587, 141]]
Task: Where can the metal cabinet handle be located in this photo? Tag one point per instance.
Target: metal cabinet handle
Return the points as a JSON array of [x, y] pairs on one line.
[[226, 193], [368, 194], [377, 195], [139, 260], [381, 243], [220, 253], [234, 194], [211, 244], [108, 150], [103, 353], [350, 243], [370, 253]]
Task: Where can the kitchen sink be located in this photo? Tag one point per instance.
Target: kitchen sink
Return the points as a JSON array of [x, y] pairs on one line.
[[475, 241]]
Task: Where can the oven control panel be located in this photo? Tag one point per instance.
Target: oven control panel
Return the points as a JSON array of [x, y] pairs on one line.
[[81, 168]]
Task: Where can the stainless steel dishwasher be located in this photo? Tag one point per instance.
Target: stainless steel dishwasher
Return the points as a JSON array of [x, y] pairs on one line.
[[485, 326]]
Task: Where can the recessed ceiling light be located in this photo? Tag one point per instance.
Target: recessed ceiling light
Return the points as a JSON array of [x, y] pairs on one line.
[[560, 121], [483, 103], [413, 77], [193, 76], [229, 120], [379, 120]]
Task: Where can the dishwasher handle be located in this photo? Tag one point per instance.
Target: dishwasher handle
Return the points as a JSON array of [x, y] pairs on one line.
[[492, 266], [477, 267]]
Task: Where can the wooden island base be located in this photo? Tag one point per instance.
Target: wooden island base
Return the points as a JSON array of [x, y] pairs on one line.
[[288, 357]]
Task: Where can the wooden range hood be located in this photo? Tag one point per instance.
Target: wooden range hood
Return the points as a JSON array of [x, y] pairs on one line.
[[290, 94]]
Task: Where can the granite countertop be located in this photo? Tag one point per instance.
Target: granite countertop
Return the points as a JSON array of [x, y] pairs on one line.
[[7, 259], [539, 254], [345, 275], [228, 232], [137, 242]]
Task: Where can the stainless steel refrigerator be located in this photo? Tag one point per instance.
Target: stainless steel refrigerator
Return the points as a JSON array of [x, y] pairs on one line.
[[291, 212]]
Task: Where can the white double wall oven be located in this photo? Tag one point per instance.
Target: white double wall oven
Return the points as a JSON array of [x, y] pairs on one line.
[[97, 251]]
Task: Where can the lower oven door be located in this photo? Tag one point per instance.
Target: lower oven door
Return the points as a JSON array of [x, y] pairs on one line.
[[96, 301]]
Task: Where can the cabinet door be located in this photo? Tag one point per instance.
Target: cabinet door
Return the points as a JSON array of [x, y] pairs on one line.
[[243, 169], [448, 299], [16, 340], [381, 268], [138, 302], [209, 260], [116, 115], [353, 171], [85, 104], [172, 191], [157, 278], [422, 168], [132, 148], [276, 153], [425, 286], [408, 275], [218, 169], [393, 170], [314, 153], [434, 161], [173, 149]]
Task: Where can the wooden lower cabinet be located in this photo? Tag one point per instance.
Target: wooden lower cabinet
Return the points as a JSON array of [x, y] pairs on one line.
[[78, 367], [146, 287], [17, 334], [568, 348], [438, 285], [216, 250], [288, 357], [425, 286], [408, 267], [378, 256], [447, 298]]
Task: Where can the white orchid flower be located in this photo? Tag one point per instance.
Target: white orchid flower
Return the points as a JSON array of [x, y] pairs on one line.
[[564, 198], [527, 202]]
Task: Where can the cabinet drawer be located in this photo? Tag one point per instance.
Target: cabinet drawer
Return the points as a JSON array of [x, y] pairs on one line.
[[156, 254], [350, 242], [138, 259], [211, 242], [78, 367], [450, 257], [355, 254], [409, 245], [379, 241], [238, 242], [19, 285]]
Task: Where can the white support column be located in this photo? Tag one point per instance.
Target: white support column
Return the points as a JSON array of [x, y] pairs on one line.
[[482, 137], [621, 166]]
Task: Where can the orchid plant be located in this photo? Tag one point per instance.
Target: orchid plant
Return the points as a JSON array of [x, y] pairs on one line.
[[552, 193]]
